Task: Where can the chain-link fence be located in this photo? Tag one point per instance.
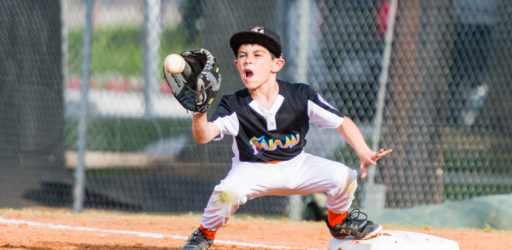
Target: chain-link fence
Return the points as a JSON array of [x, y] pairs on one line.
[[446, 103]]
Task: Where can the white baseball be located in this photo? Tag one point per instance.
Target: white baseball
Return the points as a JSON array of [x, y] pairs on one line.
[[174, 64]]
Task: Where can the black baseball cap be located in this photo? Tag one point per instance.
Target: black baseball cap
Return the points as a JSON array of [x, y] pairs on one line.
[[258, 35]]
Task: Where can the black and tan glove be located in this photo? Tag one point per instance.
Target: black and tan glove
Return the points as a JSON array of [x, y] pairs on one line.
[[196, 86]]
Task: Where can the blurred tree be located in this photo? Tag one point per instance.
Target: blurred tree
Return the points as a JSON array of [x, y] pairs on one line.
[[417, 95]]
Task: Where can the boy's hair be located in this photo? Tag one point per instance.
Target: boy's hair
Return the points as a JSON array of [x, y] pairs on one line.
[[257, 35]]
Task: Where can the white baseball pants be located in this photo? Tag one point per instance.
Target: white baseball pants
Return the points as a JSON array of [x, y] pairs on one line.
[[304, 174]]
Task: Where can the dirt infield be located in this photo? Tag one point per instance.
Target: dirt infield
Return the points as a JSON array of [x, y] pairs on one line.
[[43, 228]]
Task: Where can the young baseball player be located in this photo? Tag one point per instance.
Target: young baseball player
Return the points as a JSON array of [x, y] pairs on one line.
[[268, 120]]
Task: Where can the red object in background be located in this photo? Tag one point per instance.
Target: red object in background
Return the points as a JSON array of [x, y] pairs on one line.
[[117, 84], [74, 83], [164, 88], [382, 16], [122, 84]]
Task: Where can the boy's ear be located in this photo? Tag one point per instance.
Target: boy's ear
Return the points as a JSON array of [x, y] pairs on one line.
[[278, 64]]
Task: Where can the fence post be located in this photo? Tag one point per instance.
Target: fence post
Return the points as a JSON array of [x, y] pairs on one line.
[[151, 47], [295, 201], [79, 188], [374, 195]]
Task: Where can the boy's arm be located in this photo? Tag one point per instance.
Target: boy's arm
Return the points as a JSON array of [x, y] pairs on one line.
[[367, 157], [203, 130]]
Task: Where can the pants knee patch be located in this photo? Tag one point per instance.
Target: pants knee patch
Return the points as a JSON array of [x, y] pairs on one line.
[[229, 194], [344, 179], [225, 196], [351, 187]]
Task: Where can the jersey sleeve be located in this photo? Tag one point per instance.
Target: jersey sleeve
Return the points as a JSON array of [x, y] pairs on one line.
[[322, 114], [225, 119]]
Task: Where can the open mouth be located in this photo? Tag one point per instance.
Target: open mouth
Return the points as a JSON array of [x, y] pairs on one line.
[[248, 73]]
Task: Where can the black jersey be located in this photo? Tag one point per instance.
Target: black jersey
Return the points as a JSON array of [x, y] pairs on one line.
[[278, 133]]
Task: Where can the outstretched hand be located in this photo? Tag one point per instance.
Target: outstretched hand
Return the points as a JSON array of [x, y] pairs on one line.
[[370, 159]]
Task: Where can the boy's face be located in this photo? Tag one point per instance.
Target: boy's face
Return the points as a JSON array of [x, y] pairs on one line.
[[256, 65]]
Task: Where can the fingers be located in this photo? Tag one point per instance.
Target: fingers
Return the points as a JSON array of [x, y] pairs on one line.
[[363, 172], [372, 161], [383, 152]]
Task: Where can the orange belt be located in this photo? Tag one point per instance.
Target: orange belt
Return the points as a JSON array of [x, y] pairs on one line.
[[272, 162]]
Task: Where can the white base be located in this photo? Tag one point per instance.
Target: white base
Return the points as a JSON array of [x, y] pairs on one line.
[[395, 240]]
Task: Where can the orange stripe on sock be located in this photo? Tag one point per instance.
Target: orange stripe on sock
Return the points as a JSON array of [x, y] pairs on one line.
[[334, 218], [208, 233]]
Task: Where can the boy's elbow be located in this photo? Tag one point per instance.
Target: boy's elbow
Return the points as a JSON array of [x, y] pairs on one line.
[[201, 139], [205, 135]]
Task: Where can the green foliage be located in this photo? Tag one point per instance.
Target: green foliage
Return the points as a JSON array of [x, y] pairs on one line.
[[457, 159], [119, 51], [347, 155], [472, 190], [177, 40]]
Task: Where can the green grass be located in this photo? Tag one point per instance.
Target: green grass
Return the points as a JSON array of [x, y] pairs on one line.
[[124, 134]]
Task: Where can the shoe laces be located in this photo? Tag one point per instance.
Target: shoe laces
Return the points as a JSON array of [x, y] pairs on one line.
[[357, 218], [356, 214]]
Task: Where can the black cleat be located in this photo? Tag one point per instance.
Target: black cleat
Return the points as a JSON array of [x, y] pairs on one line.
[[197, 241], [352, 225]]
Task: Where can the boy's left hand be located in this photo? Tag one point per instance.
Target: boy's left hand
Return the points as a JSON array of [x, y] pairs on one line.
[[370, 159], [195, 88]]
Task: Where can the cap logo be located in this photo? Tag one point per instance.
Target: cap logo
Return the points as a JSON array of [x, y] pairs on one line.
[[258, 29]]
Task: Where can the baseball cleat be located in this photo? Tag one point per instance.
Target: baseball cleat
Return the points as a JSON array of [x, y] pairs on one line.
[[353, 225], [197, 241]]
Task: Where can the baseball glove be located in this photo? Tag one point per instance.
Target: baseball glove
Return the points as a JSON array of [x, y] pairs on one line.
[[195, 87]]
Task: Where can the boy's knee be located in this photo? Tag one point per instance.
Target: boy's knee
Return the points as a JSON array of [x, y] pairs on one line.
[[228, 196], [347, 181], [341, 178], [230, 193], [351, 187]]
